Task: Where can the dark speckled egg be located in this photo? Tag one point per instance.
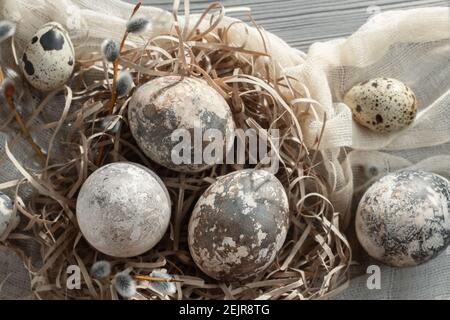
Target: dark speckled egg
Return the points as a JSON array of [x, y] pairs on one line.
[[49, 58], [239, 225], [404, 218], [180, 111], [382, 105]]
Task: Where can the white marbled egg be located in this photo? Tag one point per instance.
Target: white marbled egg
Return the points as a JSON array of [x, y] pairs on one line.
[[123, 209], [404, 218], [7, 216], [49, 58], [239, 225], [172, 104], [382, 105]]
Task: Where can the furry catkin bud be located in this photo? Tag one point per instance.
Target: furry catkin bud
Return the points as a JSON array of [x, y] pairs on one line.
[[138, 25], [125, 285], [7, 30], [166, 288], [101, 270], [110, 50], [124, 84]]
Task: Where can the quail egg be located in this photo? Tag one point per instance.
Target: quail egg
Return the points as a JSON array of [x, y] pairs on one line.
[[382, 105], [48, 60], [239, 225], [404, 218], [123, 209]]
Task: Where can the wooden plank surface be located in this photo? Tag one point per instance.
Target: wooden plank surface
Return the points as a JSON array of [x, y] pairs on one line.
[[302, 22]]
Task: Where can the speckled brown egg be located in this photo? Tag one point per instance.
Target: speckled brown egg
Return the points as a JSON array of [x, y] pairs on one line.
[[404, 218], [382, 105], [49, 58], [239, 225], [123, 209], [173, 111]]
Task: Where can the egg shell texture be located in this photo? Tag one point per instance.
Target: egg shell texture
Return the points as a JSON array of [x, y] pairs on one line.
[[123, 209], [382, 104], [7, 216], [166, 104], [239, 225], [404, 218], [48, 60]]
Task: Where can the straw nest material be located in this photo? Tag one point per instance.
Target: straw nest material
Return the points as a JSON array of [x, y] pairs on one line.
[[315, 257]]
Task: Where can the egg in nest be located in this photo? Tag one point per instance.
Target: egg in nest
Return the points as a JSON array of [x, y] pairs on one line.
[[404, 218], [123, 209], [239, 225], [48, 60], [167, 106], [382, 105]]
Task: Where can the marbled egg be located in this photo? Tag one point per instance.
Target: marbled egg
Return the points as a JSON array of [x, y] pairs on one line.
[[7, 216], [167, 106], [404, 218], [239, 225], [382, 105], [49, 58], [123, 209]]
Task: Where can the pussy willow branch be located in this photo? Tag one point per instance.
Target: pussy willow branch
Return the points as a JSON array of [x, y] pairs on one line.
[[155, 279], [117, 62], [9, 94]]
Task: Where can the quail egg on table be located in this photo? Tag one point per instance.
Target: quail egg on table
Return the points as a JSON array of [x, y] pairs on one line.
[[239, 225], [404, 218], [7, 216], [382, 105], [49, 58], [123, 209], [173, 104]]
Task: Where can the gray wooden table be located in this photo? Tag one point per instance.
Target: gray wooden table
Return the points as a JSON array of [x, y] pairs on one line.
[[302, 22]]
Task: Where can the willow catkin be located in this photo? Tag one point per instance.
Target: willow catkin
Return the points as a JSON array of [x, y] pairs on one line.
[[124, 84], [125, 285], [7, 30], [110, 50], [100, 270], [138, 25]]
